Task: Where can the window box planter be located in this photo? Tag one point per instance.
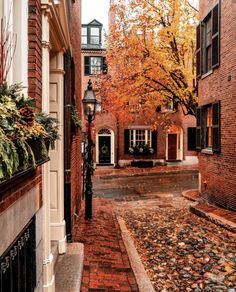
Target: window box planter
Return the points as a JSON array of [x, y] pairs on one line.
[[19, 176], [40, 148]]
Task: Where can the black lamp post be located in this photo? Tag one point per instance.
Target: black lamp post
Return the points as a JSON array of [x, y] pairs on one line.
[[89, 105]]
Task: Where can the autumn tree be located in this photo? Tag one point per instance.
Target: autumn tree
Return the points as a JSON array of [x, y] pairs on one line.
[[151, 56]]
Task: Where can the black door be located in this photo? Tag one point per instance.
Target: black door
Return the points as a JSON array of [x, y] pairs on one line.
[[104, 149]]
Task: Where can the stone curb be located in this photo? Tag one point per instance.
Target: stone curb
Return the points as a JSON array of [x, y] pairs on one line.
[[218, 220], [69, 268], [185, 195], [167, 172], [140, 274]]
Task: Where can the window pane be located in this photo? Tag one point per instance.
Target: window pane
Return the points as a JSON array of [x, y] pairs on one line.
[[84, 31], [208, 127], [140, 137], [131, 138], [94, 40], [96, 61], [94, 31], [84, 40]]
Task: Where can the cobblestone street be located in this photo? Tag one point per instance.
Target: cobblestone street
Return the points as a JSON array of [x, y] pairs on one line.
[[181, 252]]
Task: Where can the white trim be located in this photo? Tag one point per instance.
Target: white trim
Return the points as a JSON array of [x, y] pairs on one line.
[[112, 135], [20, 28], [139, 127], [147, 131]]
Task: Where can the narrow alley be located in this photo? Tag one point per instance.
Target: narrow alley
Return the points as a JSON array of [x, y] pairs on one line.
[[179, 250]]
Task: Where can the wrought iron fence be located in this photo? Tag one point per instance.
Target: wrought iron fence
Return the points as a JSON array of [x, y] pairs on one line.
[[18, 263]]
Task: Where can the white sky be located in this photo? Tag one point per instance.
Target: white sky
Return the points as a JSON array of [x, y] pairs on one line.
[[98, 9], [95, 9]]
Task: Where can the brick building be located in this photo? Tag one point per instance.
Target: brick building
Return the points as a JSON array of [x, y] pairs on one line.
[[216, 124], [39, 207], [114, 138], [94, 63]]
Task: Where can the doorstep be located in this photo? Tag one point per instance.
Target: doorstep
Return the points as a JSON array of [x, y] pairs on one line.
[[69, 269]]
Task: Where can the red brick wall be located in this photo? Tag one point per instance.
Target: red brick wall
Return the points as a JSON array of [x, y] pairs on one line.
[[177, 119], [35, 51], [76, 157], [17, 190], [218, 171]]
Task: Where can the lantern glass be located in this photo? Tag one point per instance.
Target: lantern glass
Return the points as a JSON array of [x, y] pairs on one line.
[[89, 101], [89, 108]]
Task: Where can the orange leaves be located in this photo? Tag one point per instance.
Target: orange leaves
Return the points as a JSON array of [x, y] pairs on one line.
[[150, 55]]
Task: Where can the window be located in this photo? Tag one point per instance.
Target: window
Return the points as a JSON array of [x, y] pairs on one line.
[[91, 35], [84, 36], [169, 106], [94, 65], [208, 47], [208, 127], [208, 42], [140, 137], [94, 35]]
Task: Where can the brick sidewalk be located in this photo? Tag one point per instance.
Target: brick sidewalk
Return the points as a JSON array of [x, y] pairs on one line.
[[106, 263]]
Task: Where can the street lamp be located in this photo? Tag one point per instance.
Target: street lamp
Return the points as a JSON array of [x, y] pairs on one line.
[[89, 105]]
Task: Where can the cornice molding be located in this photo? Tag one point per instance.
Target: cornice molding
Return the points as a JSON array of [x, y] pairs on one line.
[[58, 23], [46, 45]]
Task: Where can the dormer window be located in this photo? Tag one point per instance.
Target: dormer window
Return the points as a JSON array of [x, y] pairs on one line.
[[84, 36], [92, 34]]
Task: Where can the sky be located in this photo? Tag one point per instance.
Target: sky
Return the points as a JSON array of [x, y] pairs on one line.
[[97, 9]]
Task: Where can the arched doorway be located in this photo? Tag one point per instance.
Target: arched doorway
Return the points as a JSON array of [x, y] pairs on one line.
[[105, 147], [174, 143]]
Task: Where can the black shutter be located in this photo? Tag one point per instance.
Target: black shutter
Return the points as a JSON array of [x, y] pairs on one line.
[[198, 129], [216, 126], [104, 65], [191, 139], [86, 65], [154, 140], [126, 141], [198, 51], [215, 36]]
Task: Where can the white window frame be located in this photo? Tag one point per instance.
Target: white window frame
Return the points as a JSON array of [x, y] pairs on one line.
[[97, 68], [94, 36], [132, 137]]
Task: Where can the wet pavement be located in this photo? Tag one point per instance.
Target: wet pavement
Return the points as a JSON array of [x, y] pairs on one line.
[[180, 251], [144, 186]]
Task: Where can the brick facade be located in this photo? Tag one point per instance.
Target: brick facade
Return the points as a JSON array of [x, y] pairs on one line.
[[218, 184], [117, 128], [76, 157], [177, 119], [35, 51], [16, 191]]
